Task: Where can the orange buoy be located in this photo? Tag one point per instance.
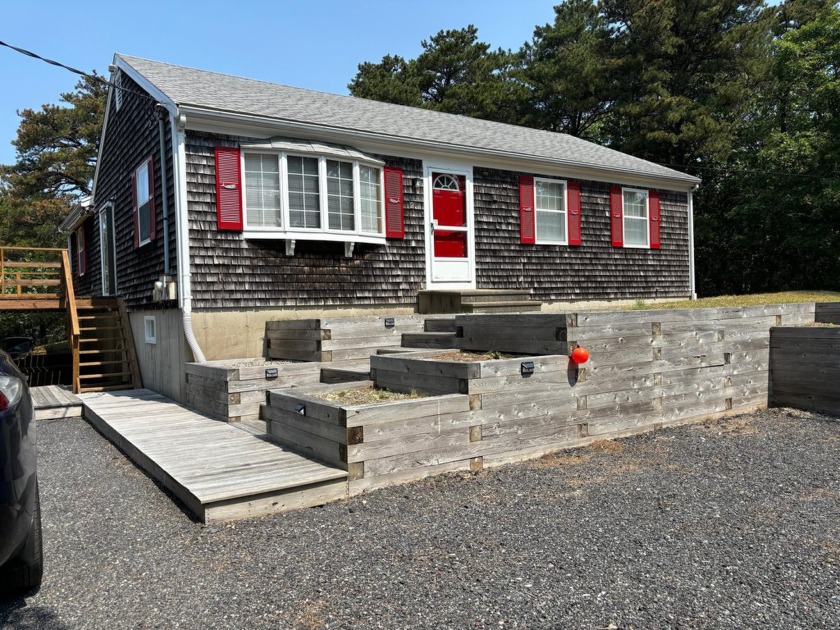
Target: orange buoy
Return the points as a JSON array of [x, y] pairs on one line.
[[580, 355]]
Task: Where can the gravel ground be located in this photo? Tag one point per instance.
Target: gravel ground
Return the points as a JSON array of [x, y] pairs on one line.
[[729, 524]]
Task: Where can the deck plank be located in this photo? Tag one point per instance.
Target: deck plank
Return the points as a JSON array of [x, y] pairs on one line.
[[216, 469], [53, 401]]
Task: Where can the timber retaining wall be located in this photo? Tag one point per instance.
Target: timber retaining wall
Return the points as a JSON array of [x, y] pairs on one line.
[[805, 368]]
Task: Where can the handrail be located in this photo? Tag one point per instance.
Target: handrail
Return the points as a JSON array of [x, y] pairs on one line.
[[29, 279], [69, 296]]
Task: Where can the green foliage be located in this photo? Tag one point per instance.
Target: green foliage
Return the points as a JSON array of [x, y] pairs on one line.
[[456, 73], [56, 155]]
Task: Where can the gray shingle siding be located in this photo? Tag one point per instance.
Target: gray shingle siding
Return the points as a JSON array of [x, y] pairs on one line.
[[91, 282], [593, 271], [230, 272], [130, 138]]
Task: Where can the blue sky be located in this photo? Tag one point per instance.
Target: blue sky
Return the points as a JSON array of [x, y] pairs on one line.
[[314, 44]]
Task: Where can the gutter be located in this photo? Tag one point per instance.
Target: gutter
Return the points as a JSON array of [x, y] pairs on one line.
[[692, 284], [182, 231]]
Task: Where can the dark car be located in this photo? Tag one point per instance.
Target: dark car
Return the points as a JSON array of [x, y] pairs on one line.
[[21, 560], [16, 346]]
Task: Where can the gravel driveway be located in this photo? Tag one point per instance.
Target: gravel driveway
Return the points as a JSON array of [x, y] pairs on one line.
[[728, 524]]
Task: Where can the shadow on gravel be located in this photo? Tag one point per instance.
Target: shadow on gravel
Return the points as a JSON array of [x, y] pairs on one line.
[[16, 614]]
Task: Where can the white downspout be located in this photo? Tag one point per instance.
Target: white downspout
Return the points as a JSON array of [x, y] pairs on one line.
[[182, 231], [692, 286]]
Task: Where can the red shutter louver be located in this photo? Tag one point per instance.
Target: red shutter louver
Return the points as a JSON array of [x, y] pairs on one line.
[[653, 200], [228, 189], [574, 213], [527, 222], [617, 216], [394, 206]]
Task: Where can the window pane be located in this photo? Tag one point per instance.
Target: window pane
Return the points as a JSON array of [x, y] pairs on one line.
[[144, 221], [371, 205], [340, 195], [635, 231], [262, 190], [550, 195], [635, 204], [551, 226], [304, 197], [142, 177]]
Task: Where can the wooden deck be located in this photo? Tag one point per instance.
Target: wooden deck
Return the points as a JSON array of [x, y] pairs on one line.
[[219, 471], [54, 401]]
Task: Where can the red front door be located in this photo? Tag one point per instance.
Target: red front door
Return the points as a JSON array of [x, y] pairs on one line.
[[449, 211]]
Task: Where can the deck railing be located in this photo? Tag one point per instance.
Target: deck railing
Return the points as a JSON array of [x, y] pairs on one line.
[[30, 273]]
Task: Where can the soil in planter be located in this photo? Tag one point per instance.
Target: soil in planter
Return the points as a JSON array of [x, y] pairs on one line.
[[255, 363], [468, 356], [367, 396]]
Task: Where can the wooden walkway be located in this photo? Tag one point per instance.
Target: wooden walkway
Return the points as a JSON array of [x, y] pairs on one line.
[[54, 401], [220, 472]]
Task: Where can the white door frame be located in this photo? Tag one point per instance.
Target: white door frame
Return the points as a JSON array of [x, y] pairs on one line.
[[454, 168]]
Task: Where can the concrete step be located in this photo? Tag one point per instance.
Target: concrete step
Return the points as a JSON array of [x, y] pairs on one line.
[[429, 340], [524, 306]]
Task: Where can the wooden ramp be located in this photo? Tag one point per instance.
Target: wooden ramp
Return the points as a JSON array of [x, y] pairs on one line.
[[219, 471], [54, 401]]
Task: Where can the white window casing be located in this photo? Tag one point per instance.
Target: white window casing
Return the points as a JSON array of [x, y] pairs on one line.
[[636, 213], [551, 211], [150, 329]]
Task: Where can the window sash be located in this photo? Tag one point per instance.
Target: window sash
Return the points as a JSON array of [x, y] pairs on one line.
[[315, 194], [551, 211], [636, 218], [144, 202]]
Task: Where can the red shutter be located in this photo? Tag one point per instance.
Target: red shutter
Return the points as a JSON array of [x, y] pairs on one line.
[[394, 206], [527, 227], [228, 189], [574, 213], [617, 216], [134, 205], [653, 201], [152, 213]]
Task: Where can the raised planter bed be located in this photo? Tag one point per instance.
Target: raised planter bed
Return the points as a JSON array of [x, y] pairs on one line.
[[233, 390], [805, 368]]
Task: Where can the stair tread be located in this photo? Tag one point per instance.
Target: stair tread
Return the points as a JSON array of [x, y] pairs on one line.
[[108, 375]]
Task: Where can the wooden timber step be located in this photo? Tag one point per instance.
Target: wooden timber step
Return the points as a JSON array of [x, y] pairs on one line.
[[476, 301], [346, 371], [439, 324], [502, 307], [218, 471], [429, 340], [54, 401], [107, 346]]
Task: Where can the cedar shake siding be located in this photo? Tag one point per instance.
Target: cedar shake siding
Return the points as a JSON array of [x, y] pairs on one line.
[[130, 138], [231, 272], [595, 270], [91, 282]]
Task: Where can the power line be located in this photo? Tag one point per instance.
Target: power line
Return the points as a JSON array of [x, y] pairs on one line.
[[92, 77]]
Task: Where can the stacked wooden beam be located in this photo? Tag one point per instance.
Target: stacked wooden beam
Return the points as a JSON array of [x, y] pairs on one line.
[[827, 312], [328, 339], [805, 367]]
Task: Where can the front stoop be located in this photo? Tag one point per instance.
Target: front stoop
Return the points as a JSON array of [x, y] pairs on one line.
[[477, 301]]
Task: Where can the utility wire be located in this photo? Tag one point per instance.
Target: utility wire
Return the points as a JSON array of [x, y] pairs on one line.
[[92, 77]]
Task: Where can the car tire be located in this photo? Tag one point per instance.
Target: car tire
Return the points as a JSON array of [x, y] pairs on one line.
[[23, 575]]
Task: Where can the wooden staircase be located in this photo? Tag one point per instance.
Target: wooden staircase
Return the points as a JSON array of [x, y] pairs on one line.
[[106, 358]]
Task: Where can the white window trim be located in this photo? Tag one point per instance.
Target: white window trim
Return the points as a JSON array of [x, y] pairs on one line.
[[624, 218], [324, 232], [150, 329], [564, 212]]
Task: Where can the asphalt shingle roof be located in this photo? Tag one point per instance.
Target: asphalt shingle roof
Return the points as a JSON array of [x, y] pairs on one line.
[[226, 93]]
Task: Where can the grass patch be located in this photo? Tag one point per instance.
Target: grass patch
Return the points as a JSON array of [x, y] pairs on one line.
[[367, 396], [756, 299]]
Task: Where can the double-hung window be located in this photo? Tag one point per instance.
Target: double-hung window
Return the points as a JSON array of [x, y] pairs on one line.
[[636, 224], [144, 207], [307, 196], [551, 212]]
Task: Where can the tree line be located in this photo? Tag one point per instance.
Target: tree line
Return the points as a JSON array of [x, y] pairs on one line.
[[739, 93]]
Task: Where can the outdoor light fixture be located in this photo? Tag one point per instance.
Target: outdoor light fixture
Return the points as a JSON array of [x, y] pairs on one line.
[[271, 372], [389, 322], [300, 410], [527, 368]]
